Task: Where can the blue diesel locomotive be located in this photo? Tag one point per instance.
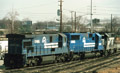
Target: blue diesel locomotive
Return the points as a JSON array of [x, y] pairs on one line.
[[81, 43], [34, 49]]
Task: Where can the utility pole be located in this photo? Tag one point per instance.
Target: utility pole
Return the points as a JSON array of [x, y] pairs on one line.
[[61, 26], [12, 23], [111, 23], [91, 18], [72, 20], [75, 23]]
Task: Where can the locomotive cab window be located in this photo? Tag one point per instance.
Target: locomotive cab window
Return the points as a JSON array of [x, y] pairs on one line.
[[28, 43], [75, 37], [50, 38], [90, 35]]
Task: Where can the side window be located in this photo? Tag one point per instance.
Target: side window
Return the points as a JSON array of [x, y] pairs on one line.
[[93, 38], [90, 35], [75, 37], [27, 44], [50, 38]]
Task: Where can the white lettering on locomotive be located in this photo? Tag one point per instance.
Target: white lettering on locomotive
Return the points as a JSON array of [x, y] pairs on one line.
[[37, 41], [88, 44]]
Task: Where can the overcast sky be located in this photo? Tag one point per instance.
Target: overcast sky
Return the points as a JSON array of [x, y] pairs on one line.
[[46, 10]]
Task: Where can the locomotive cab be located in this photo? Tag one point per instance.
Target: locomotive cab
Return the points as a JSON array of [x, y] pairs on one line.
[[14, 58], [108, 42]]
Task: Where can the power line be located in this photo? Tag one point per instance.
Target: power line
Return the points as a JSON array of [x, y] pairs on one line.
[[74, 10], [107, 6], [37, 13]]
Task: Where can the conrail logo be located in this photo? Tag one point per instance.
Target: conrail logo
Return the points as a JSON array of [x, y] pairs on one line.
[[44, 40]]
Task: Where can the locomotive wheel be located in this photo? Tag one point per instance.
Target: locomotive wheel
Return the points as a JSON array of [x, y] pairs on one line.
[[35, 63], [109, 52], [39, 61], [63, 58], [115, 50], [26, 65], [66, 58], [106, 53], [82, 56], [101, 53], [31, 64], [112, 51], [57, 59], [71, 56]]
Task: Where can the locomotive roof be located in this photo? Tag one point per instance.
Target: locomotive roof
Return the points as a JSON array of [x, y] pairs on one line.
[[98, 34], [15, 36], [63, 35], [32, 36]]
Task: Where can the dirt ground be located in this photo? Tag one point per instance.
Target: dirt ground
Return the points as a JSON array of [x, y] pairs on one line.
[[111, 69]]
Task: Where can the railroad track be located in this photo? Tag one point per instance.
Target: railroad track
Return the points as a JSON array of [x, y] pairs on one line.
[[87, 65], [46, 67], [94, 65]]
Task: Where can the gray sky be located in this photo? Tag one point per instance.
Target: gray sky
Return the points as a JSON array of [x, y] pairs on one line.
[[46, 10]]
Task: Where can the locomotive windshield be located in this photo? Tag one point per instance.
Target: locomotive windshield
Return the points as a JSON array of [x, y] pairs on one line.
[[90, 35], [75, 37]]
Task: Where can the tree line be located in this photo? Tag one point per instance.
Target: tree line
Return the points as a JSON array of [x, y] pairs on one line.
[[13, 25]]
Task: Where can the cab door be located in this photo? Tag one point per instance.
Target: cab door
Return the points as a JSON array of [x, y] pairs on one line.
[[96, 41], [60, 41]]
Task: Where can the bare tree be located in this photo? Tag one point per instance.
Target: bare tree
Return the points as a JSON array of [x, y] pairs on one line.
[[26, 19], [11, 17], [115, 24], [80, 20]]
